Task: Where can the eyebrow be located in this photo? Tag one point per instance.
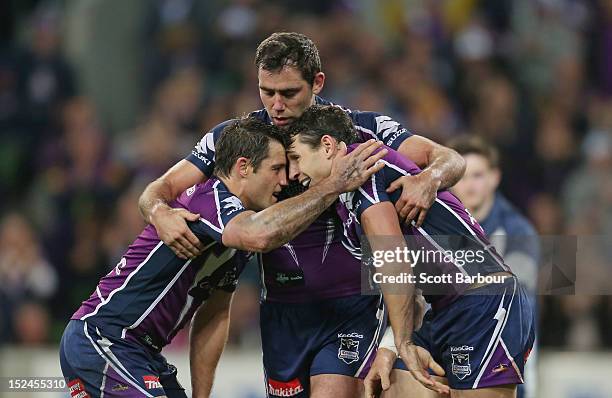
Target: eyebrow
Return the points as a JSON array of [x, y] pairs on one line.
[[282, 91]]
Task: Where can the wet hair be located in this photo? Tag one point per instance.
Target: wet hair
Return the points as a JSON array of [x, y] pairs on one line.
[[473, 144], [247, 137], [289, 49], [320, 120]]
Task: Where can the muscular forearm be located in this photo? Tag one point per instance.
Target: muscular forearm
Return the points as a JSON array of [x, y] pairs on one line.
[[445, 166], [207, 340], [156, 196], [285, 220]]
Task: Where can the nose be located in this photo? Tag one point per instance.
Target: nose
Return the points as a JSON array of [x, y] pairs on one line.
[[283, 179], [279, 103], [294, 170]]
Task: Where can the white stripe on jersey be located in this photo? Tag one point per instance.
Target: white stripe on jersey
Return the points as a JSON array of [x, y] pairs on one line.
[[380, 315], [218, 205], [157, 300], [212, 226], [129, 379], [497, 333], [365, 130], [484, 245], [440, 248], [127, 280]]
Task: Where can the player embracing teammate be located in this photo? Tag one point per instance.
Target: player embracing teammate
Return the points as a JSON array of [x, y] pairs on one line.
[[319, 334]]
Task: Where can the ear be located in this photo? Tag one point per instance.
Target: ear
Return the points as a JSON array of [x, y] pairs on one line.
[[242, 167], [330, 145], [318, 83]]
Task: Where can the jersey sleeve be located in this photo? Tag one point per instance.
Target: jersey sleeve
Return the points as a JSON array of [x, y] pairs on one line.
[[383, 128], [203, 154], [371, 193], [216, 208]]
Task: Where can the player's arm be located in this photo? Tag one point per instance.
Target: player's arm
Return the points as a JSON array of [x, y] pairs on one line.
[[209, 331], [442, 168], [382, 228], [171, 224], [281, 222]]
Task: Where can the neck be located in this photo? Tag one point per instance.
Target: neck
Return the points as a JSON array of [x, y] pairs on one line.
[[235, 188], [482, 211]]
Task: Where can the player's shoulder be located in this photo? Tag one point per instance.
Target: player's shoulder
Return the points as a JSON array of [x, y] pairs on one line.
[[514, 222]]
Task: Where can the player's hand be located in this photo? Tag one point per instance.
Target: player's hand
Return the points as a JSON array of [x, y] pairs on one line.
[[172, 229], [418, 361], [419, 310], [350, 171], [418, 194], [377, 379]]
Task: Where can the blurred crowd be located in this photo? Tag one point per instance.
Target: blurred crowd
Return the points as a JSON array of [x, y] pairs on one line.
[[98, 98]]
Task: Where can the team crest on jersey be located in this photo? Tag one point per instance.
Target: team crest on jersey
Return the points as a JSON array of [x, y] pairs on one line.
[[233, 204], [461, 367], [349, 350]]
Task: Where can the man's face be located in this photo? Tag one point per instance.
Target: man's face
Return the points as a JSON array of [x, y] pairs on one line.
[[308, 165], [478, 183], [262, 186], [285, 94]]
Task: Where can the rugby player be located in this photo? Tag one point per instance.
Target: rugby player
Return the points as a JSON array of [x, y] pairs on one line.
[[111, 346], [512, 234], [478, 334], [310, 298]]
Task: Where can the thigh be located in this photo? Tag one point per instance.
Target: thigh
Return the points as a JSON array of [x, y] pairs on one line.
[[287, 345], [507, 391], [335, 386], [484, 339], [351, 340], [403, 384], [97, 365]]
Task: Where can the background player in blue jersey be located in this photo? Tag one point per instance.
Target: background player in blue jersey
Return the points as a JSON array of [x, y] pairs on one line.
[[480, 332], [112, 345], [511, 233], [290, 79]]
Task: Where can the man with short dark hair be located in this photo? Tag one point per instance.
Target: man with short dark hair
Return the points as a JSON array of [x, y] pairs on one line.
[[480, 328], [310, 272], [111, 346]]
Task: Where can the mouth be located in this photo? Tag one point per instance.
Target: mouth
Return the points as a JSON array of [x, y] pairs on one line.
[[281, 121], [305, 182]]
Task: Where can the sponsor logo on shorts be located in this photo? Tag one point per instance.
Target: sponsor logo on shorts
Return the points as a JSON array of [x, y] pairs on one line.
[[151, 382], [462, 348], [77, 389], [349, 350], [120, 387], [461, 365], [284, 388], [500, 368]]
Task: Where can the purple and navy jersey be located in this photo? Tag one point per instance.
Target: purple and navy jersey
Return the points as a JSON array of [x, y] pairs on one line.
[[151, 294], [315, 264], [448, 226], [368, 125]]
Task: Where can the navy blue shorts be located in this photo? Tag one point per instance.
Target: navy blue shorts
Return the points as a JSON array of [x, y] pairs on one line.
[[96, 364], [335, 336], [483, 338]]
